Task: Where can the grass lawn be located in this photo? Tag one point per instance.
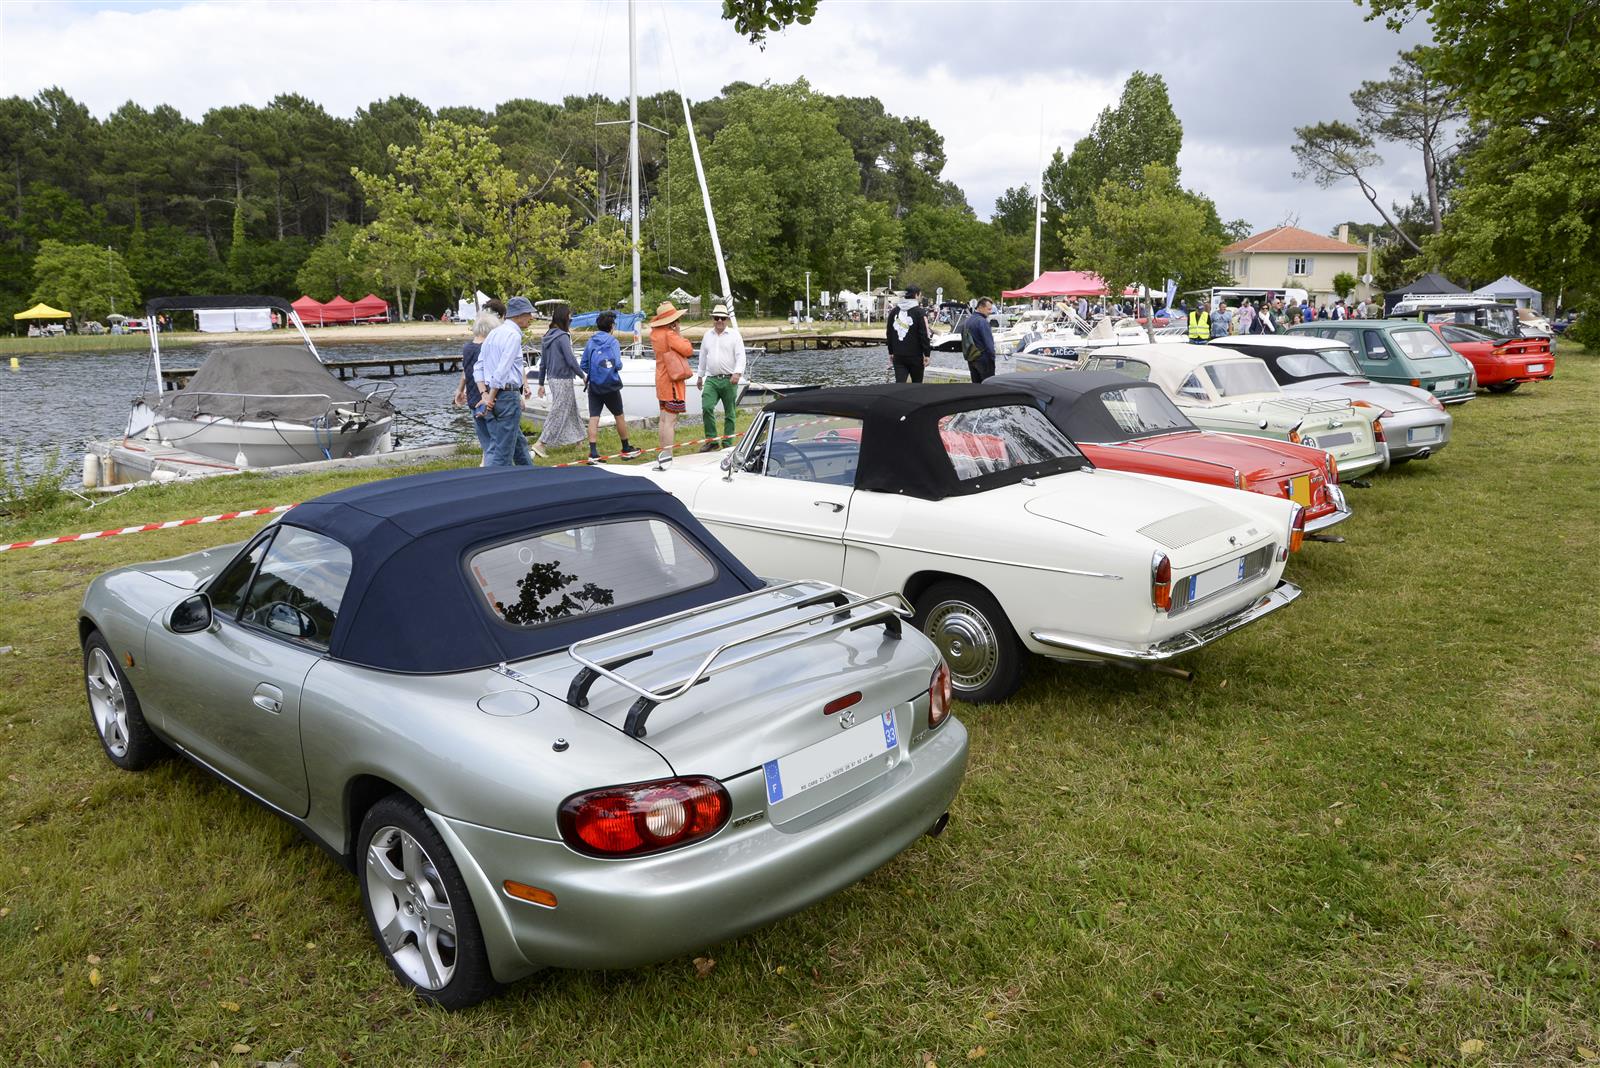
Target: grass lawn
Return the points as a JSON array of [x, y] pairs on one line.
[[1367, 833]]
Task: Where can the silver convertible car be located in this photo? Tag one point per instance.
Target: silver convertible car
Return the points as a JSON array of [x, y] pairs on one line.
[[543, 715]]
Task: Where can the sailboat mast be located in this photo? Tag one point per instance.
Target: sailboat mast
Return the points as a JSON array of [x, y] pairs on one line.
[[633, 148]]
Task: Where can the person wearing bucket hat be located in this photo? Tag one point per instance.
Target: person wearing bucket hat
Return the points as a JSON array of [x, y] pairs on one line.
[[502, 378], [721, 366], [672, 351]]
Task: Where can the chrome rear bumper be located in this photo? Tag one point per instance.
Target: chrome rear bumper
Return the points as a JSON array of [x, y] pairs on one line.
[[1187, 642], [1340, 513]]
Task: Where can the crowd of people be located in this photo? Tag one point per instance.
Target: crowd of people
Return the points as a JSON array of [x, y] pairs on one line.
[[496, 382], [1273, 316]]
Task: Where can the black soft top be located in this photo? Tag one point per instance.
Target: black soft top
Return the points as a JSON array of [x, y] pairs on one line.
[[1072, 401], [901, 451]]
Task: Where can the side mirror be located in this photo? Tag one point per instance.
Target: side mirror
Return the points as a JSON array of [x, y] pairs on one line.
[[284, 618], [191, 615]]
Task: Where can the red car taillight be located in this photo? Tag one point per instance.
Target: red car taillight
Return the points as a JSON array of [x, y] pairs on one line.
[[939, 694], [647, 817], [1161, 582], [1333, 468], [1377, 431]]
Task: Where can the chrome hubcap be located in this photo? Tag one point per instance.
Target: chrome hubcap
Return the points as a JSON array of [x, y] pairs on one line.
[[967, 641], [108, 702], [411, 908]]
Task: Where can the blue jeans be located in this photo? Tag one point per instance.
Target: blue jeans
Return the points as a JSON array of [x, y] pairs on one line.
[[507, 447]]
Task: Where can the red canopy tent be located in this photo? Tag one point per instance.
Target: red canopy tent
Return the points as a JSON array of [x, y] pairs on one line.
[[371, 309], [1063, 284], [338, 310], [311, 313]]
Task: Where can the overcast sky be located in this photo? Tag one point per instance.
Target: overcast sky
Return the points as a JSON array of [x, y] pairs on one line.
[[1242, 75]]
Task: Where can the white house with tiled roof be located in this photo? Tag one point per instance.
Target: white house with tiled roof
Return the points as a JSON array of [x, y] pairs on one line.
[[1289, 257]]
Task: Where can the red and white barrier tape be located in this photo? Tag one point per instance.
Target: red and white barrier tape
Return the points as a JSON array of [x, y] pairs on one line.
[[170, 524]]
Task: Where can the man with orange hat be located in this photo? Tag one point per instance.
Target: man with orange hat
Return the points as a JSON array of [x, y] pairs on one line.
[[672, 351]]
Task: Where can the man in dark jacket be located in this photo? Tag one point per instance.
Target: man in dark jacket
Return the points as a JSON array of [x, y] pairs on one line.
[[910, 344], [977, 341]]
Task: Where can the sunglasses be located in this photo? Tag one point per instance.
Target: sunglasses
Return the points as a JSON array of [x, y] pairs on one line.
[[719, 318]]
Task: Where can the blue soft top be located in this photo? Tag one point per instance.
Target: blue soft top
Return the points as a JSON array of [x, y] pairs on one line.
[[410, 605]]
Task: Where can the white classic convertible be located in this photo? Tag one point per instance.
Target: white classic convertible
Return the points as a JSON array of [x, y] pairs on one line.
[[995, 527]]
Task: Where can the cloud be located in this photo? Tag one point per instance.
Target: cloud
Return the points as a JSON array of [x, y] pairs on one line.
[[987, 76]]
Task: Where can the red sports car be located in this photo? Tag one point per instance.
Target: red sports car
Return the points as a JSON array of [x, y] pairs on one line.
[[1502, 363], [1126, 425]]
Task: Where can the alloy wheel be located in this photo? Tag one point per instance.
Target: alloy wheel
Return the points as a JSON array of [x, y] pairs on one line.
[[411, 908], [108, 701]]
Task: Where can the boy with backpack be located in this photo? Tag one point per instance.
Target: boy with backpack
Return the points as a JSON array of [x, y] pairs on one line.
[[601, 365]]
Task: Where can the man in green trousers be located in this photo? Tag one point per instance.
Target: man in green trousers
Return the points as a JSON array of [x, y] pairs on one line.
[[721, 367]]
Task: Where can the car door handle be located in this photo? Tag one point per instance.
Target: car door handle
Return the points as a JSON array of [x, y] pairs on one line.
[[268, 698], [835, 505]]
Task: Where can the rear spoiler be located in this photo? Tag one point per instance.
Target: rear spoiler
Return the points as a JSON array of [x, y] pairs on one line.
[[603, 654]]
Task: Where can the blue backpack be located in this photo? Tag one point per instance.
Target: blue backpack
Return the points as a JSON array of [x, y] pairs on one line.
[[605, 365]]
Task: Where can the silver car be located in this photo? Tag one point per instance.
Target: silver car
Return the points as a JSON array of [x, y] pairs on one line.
[[1415, 423], [544, 716]]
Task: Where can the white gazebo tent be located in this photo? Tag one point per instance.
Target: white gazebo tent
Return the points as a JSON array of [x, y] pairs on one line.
[[1508, 289]]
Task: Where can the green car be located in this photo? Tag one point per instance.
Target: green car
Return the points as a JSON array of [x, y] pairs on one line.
[[1401, 351]]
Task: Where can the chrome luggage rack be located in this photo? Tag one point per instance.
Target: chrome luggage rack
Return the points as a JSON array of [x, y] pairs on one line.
[[886, 608]]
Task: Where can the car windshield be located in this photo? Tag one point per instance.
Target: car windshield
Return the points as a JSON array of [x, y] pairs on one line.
[[1463, 332], [1241, 378], [1141, 410], [554, 574], [1120, 364], [1342, 358], [986, 441], [1421, 344], [1309, 364]]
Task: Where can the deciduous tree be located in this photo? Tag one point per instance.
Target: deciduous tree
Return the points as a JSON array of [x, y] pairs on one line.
[[1333, 152], [1149, 232], [87, 280]]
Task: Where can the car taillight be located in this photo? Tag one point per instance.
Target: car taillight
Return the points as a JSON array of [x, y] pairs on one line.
[[1417, 382], [1161, 582], [1333, 467], [1377, 431], [939, 695], [1436, 402], [647, 817], [1297, 529]]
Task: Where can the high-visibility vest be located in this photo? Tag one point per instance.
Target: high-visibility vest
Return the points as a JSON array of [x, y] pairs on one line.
[[1199, 325]]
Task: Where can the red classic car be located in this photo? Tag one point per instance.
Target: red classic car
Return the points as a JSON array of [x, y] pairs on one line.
[[1502, 363], [1123, 424]]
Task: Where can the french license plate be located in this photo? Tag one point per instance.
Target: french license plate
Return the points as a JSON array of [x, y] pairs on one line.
[[1449, 384], [1422, 434], [1215, 579], [1535, 368], [830, 758], [1333, 441], [1300, 489]]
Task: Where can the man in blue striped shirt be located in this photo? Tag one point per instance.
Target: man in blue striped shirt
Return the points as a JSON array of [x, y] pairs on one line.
[[501, 378]]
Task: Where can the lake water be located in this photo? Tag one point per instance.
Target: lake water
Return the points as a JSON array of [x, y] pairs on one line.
[[66, 400]]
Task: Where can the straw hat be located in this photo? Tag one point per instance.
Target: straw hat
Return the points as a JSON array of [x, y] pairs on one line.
[[721, 310], [666, 313]]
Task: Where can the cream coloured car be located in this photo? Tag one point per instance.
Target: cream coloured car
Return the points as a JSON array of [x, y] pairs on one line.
[[1002, 535]]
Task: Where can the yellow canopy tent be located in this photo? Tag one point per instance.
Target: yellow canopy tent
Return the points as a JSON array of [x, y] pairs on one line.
[[42, 311]]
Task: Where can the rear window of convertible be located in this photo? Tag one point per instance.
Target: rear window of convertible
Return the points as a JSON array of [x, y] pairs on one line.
[[553, 574]]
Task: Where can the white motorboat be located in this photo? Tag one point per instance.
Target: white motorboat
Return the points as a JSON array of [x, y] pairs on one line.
[[260, 405]]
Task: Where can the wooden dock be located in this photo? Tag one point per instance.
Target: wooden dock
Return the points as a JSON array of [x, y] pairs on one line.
[[842, 339]]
